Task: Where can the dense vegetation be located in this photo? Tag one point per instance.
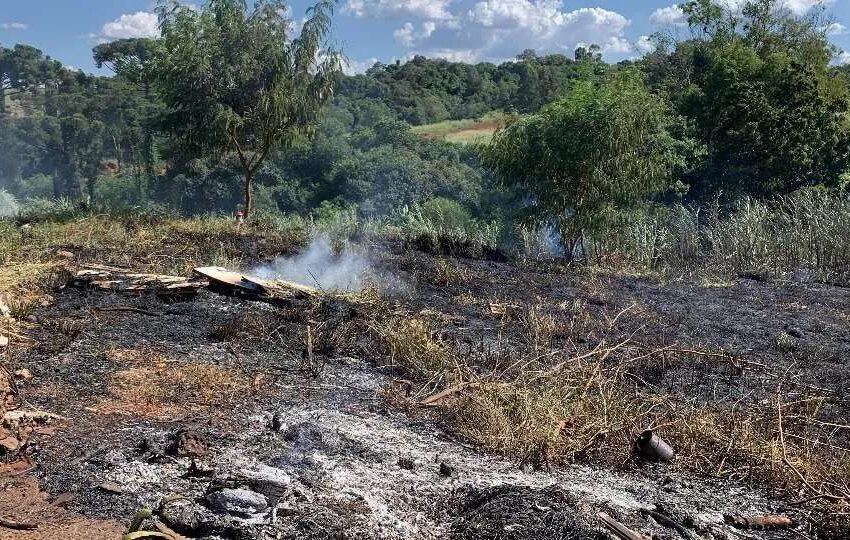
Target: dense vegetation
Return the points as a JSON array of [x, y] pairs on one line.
[[749, 108]]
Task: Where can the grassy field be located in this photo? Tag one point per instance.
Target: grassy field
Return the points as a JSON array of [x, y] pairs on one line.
[[468, 131]]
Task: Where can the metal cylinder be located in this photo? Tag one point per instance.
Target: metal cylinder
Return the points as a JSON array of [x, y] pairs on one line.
[[653, 448]]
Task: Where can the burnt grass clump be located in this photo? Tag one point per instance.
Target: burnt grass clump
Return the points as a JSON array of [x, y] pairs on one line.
[[519, 513]]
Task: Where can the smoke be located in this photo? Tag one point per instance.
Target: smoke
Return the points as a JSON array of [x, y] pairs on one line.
[[8, 205], [332, 270]]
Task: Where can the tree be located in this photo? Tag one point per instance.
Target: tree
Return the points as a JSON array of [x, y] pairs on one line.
[[235, 80], [602, 146], [763, 99], [24, 67], [131, 59]]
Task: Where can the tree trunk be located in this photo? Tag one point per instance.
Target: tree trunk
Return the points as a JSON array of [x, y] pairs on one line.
[[249, 180]]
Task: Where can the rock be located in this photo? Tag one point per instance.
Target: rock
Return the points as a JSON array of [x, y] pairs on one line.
[[65, 254], [151, 449], [23, 374], [8, 441], [188, 444], [4, 341], [303, 434], [446, 469], [111, 487], [182, 515], [243, 502], [269, 481], [31, 319]]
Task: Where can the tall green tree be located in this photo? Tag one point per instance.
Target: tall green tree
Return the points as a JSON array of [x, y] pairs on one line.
[[603, 146], [132, 60], [24, 67], [763, 99], [237, 80]]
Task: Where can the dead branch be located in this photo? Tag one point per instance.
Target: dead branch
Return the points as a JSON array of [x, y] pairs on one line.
[[17, 525], [129, 309], [435, 399], [619, 529]]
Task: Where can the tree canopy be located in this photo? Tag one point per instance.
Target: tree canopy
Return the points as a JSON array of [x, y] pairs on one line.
[[601, 146], [235, 79]]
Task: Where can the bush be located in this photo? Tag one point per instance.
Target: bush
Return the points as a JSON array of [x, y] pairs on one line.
[[446, 213]]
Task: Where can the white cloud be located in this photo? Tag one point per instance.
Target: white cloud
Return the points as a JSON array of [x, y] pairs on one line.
[[802, 6], [670, 15], [673, 15], [834, 29], [406, 36], [645, 44], [136, 25], [14, 26], [497, 29], [842, 58], [353, 67], [426, 9]]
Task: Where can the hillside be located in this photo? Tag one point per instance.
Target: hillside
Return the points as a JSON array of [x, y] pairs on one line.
[[477, 131]]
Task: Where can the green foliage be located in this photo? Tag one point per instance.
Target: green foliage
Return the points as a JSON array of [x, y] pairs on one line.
[[446, 213], [424, 91], [603, 146], [235, 80], [763, 99]]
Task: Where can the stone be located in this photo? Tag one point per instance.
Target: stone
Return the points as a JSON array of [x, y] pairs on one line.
[[242, 502], [446, 469], [182, 515], [263, 474], [23, 374], [189, 444], [269, 481], [406, 463], [4, 341]]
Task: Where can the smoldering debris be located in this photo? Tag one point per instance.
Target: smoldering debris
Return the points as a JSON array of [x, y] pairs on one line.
[[331, 267]]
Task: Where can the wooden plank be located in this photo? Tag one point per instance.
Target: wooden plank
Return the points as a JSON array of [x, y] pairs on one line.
[[620, 530], [223, 276], [251, 284]]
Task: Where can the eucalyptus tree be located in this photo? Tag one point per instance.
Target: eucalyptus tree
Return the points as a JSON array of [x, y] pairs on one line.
[[240, 80], [604, 146]]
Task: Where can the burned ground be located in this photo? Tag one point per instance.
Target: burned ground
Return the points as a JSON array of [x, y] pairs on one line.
[[325, 437]]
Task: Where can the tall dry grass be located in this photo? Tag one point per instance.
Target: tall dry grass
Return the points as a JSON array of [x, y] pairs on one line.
[[805, 234]]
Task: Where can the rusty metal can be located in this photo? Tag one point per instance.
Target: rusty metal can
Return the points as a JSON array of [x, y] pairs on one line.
[[653, 448]]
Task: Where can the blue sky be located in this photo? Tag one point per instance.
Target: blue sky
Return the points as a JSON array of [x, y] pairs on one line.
[[385, 30]]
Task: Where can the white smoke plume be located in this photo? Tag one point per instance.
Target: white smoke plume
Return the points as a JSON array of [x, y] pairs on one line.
[[8, 205], [331, 270]]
